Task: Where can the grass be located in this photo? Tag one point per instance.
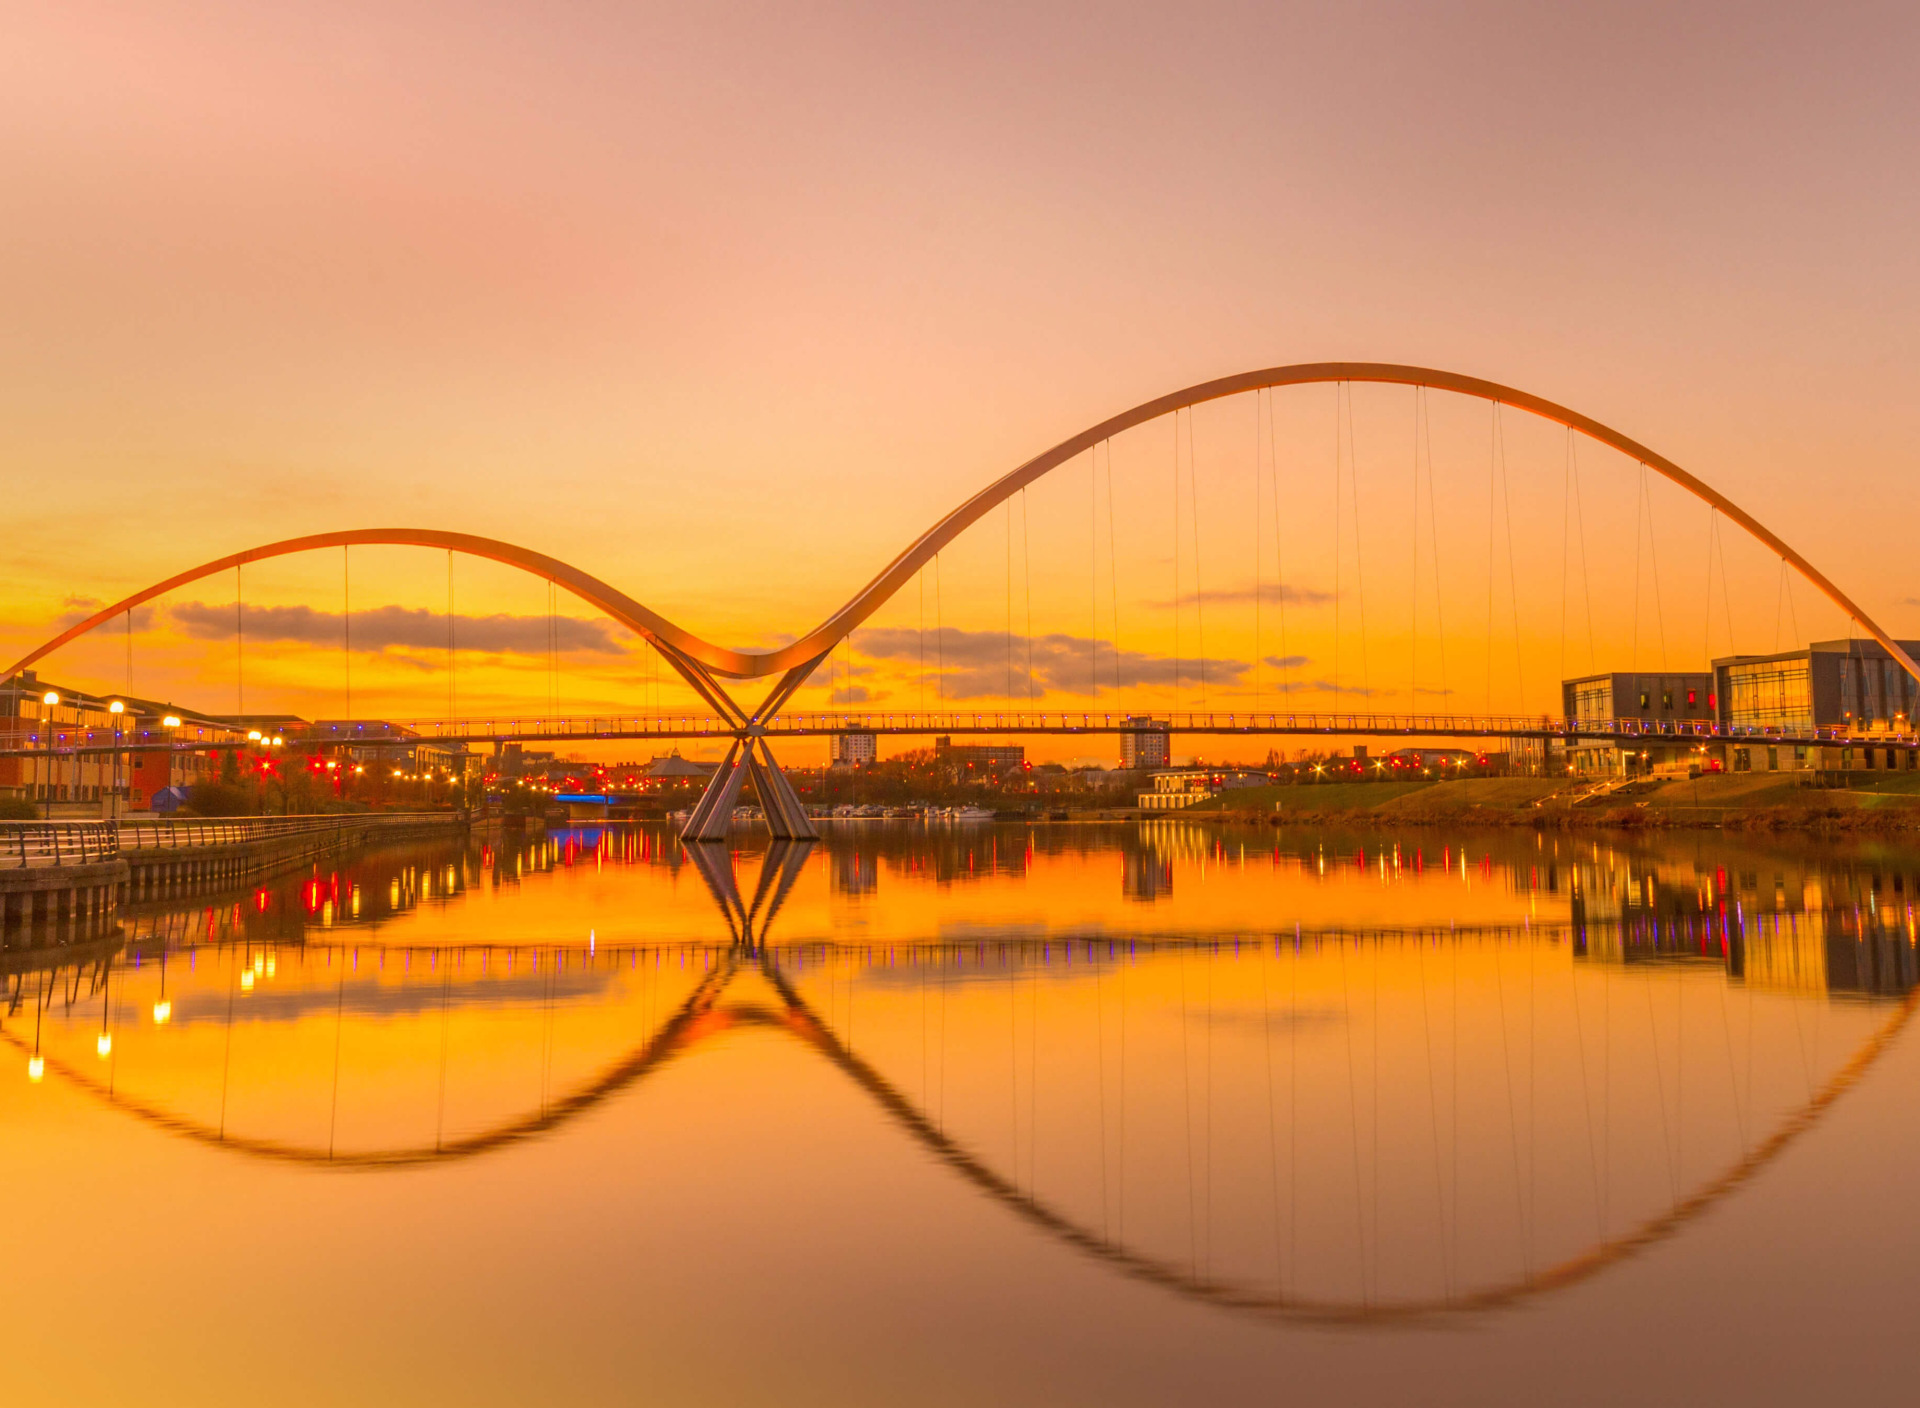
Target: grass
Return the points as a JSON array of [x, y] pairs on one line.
[[1320, 797]]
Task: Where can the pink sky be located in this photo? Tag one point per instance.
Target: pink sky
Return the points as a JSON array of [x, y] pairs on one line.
[[618, 281]]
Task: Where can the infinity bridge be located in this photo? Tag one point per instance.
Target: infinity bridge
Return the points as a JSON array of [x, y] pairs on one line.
[[748, 726]]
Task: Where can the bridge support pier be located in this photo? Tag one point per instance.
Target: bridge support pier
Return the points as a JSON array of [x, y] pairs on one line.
[[749, 759]]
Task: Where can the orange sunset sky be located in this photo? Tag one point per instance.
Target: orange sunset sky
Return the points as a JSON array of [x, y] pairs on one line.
[[726, 303]]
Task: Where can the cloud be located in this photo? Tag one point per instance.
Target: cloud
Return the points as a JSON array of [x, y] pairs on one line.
[[76, 609], [401, 628], [1274, 593], [1286, 662], [976, 662], [855, 694], [1329, 687]]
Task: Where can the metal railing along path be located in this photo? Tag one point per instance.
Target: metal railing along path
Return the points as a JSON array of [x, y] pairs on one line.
[[26, 845], [191, 833]]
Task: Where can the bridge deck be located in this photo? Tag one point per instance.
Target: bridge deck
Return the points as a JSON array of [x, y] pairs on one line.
[[665, 727]]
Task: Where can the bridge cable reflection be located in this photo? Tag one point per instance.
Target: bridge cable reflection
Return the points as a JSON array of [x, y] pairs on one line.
[[701, 1017]]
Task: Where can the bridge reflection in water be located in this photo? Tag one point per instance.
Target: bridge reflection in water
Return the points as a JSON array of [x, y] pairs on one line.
[[1341, 1081]]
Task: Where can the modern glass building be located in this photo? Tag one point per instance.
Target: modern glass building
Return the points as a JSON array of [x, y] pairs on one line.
[[1830, 684], [1846, 684], [1651, 700]]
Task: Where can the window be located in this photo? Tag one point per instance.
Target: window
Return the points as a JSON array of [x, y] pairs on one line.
[[1771, 693], [1643, 700], [1666, 700], [1773, 760], [1693, 699]]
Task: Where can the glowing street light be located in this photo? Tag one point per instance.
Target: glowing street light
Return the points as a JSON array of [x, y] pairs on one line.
[[36, 1067], [116, 708], [49, 699]]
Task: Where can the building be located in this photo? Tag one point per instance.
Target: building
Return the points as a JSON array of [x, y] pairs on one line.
[[977, 758], [1441, 762], [673, 771], [1182, 787], [1853, 685], [27, 722], [1147, 747], [1649, 700], [853, 750]]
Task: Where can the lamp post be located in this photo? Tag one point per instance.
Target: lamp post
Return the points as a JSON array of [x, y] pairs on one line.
[[171, 723], [48, 701], [118, 710]]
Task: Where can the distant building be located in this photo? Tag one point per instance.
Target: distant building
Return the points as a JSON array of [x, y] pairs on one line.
[[26, 722], [1643, 698], [977, 758], [1183, 787], [853, 750], [1146, 748], [1441, 762], [674, 769], [1853, 685]]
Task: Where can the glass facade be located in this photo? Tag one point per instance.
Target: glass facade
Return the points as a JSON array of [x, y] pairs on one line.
[[1593, 703], [1770, 694]]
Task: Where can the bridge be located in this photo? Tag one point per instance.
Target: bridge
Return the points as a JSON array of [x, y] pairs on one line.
[[749, 726]]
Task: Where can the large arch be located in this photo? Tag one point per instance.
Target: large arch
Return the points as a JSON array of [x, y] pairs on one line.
[[672, 641], [681, 645], [897, 573]]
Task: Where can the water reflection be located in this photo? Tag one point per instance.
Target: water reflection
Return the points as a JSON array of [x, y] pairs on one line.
[[1335, 1079]]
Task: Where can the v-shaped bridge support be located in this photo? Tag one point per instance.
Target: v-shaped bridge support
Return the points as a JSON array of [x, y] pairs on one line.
[[749, 758]]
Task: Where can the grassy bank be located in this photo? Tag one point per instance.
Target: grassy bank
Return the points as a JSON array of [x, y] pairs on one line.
[[1759, 801]]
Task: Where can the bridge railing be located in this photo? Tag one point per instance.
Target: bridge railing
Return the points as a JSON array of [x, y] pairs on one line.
[[403, 733], [26, 845], [188, 833]]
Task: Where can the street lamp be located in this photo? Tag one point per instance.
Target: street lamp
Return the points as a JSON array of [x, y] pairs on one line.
[[171, 723], [117, 709], [49, 699]]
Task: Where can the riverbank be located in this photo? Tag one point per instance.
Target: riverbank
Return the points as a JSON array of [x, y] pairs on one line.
[[1742, 801]]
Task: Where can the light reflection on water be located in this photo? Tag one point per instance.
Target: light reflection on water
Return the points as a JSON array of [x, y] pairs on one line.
[[1282, 1079]]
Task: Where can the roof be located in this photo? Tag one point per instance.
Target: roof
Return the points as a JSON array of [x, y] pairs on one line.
[[673, 765]]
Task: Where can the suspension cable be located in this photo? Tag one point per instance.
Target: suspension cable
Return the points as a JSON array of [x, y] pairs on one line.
[[1279, 555], [1093, 565], [1513, 579], [1433, 542], [1008, 688], [450, 657], [1359, 564], [1199, 594], [1586, 576], [1026, 552], [1113, 568], [1176, 557]]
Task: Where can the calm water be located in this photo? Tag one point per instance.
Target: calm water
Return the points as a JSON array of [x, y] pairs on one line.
[[1137, 1114]]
